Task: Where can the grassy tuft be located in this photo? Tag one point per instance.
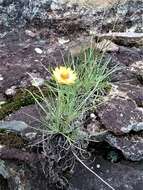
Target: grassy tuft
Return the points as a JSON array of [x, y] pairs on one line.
[[67, 104]]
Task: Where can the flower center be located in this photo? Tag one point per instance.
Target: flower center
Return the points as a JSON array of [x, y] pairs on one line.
[[64, 75]]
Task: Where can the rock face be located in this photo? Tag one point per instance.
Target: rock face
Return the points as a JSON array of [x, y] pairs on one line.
[[19, 13], [28, 114], [137, 68], [13, 126], [122, 113], [20, 62], [15, 13], [121, 176], [130, 145]]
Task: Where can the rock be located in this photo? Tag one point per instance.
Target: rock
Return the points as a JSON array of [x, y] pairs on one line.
[[118, 114], [92, 116], [30, 33], [107, 46], [3, 169], [122, 110], [14, 177], [124, 74], [36, 79], [29, 115], [127, 56], [38, 50], [37, 82], [126, 90], [1, 78], [19, 58], [95, 131], [122, 113], [123, 175], [133, 127], [19, 12], [63, 41], [131, 145], [56, 5], [11, 91], [30, 135], [122, 37], [98, 3], [137, 68], [14, 126]]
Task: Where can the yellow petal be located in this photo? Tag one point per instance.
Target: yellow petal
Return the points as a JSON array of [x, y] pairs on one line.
[[64, 75]]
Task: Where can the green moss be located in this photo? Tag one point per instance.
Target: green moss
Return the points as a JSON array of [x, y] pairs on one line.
[[22, 98], [2, 130]]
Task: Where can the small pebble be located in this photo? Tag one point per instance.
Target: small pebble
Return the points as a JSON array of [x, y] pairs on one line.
[[63, 41], [37, 82], [1, 146], [11, 91], [98, 166], [1, 78], [30, 33], [92, 116], [31, 135], [38, 50], [121, 115]]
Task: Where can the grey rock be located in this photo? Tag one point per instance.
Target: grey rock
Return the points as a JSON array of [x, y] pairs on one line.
[[131, 145], [122, 111], [14, 177], [30, 135], [133, 127], [11, 91], [126, 90], [122, 114], [56, 4], [29, 115], [36, 80], [123, 175], [13, 126], [3, 169], [126, 59], [19, 58], [19, 12], [118, 113], [137, 68]]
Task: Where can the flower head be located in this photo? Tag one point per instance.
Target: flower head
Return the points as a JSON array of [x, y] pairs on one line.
[[64, 75]]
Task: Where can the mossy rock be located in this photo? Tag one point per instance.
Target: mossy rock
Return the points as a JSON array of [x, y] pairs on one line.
[[21, 99], [11, 140]]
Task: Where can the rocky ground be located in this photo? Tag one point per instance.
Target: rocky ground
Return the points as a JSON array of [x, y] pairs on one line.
[[32, 39]]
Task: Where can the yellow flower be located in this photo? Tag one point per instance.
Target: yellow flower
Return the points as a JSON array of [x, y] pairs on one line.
[[64, 75]]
